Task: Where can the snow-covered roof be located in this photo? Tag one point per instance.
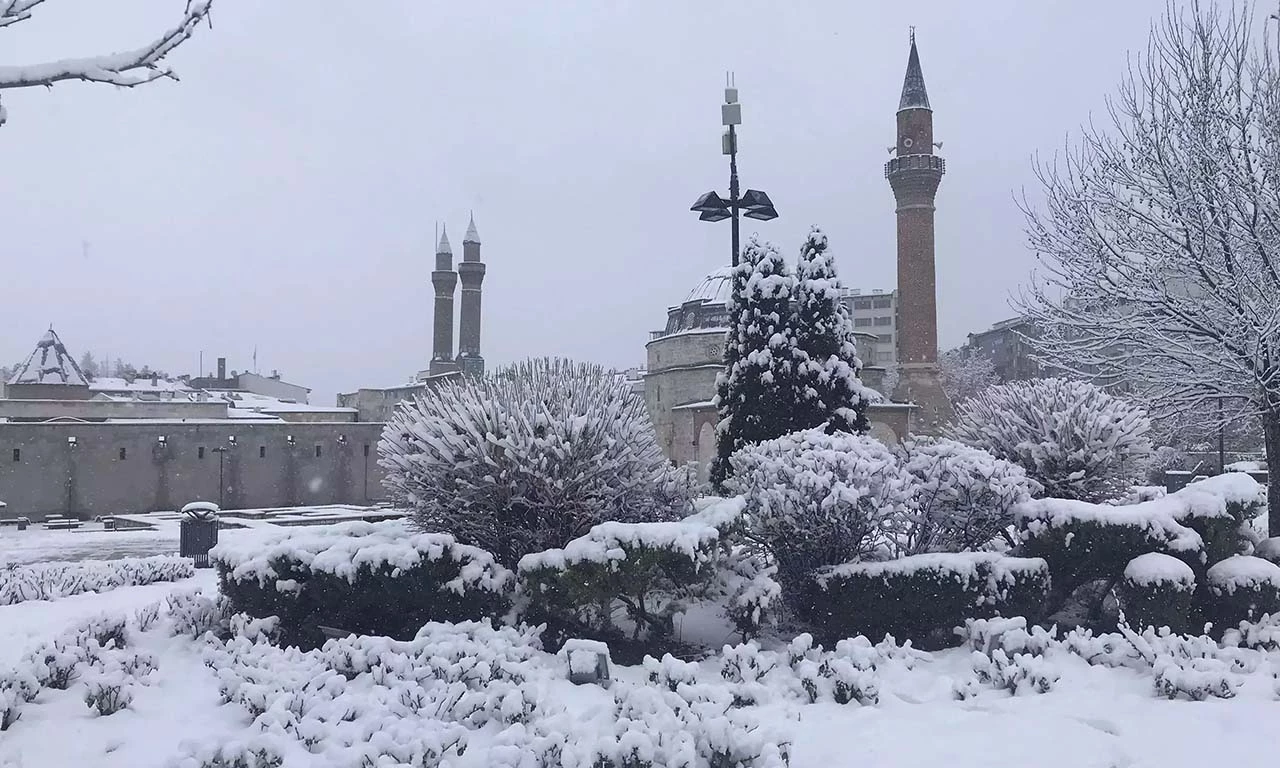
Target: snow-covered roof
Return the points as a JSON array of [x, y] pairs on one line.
[[49, 363], [138, 385], [913, 92], [472, 235], [256, 403], [715, 288], [443, 247]]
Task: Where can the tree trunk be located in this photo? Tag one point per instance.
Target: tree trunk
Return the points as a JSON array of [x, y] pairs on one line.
[[1271, 437]]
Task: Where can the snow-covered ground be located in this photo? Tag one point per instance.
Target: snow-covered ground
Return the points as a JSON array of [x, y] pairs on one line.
[[1095, 716], [39, 545]]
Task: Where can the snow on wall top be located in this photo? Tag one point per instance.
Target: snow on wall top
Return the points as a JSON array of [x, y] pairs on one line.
[[1155, 568], [49, 363]]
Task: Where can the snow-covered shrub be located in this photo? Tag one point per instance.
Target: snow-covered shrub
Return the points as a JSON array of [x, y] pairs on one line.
[[966, 372], [148, 615], [1196, 678], [626, 581], [50, 581], [1241, 588], [1164, 459], [529, 458], [18, 686], [194, 614], [367, 578], [925, 597], [1073, 438], [963, 497], [1157, 591], [1268, 549], [108, 692], [261, 750], [1200, 524], [816, 500], [1018, 673]]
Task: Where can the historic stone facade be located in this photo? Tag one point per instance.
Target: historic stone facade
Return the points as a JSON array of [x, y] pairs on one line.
[[444, 279], [914, 174]]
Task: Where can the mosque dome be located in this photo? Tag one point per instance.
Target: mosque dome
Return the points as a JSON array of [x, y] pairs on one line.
[[715, 288]]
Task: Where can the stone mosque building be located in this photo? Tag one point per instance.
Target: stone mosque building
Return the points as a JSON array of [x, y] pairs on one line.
[[895, 331]]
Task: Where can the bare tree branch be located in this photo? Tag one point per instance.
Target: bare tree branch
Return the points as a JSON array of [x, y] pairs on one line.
[[126, 69]]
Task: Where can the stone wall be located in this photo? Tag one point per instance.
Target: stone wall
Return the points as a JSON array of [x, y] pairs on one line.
[[127, 468]]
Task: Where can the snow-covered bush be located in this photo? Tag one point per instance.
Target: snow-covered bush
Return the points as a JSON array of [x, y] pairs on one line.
[[815, 500], [966, 372], [1200, 524], [261, 750], [1196, 679], [1268, 549], [367, 578], [1157, 591], [529, 458], [1164, 459], [1018, 673], [963, 497], [18, 687], [50, 581], [1241, 588], [108, 692], [628, 580], [923, 598], [1076, 440], [194, 614]]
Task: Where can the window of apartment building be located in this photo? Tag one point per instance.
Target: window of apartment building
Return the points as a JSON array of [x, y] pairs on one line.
[[884, 321], [200, 452], [882, 303], [317, 451], [17, 454], [862, 303], [262, 451], [124, 453], [861, 322], [886, 338]]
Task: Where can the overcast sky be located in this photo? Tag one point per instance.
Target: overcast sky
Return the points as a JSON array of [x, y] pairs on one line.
[[284, 194]]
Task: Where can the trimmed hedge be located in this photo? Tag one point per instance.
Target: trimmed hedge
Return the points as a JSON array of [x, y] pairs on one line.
[[366, 578], [1241, 589], [923, 598], [50, 581], [1158, 591], [1201, 524]]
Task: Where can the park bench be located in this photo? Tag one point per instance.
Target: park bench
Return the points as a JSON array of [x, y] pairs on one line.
[[56, 522]]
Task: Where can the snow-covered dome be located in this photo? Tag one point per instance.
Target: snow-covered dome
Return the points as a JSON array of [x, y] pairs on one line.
[[715, 288]]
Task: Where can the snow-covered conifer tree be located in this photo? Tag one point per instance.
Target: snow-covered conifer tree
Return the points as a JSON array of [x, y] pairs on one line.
[[830, 389], [126, 68], [529, 458], [757, 393], [1074, 439]]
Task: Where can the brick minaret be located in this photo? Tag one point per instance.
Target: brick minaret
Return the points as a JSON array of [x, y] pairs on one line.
[[445, 281], [914, 174], [471, 271]]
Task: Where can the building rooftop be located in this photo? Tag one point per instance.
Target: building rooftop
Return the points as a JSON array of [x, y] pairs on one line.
[[715, 288], [49, 363]]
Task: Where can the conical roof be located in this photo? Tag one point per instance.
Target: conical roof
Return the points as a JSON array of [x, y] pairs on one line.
[[914, 95], [443, 247], [472, 235], [49, 363]]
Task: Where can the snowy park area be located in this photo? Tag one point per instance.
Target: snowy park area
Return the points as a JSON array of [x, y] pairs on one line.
[[372, 701]]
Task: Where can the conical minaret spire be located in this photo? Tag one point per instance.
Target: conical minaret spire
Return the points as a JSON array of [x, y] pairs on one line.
[[471, 272], [445, 281], [914, 96]]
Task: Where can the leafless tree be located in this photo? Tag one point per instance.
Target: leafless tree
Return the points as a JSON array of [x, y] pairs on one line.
[[127, 68], [1159, 233], [966, 372]]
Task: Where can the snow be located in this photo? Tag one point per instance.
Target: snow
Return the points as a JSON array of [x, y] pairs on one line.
[[1154, 568], [1244, 572], [966, 565], [511, 701]]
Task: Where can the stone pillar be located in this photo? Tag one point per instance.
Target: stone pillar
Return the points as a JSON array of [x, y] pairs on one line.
[[471, 272], [445, 281]]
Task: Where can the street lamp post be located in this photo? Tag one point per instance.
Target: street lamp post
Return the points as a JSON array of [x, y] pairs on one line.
[[221, 486], [754, 204]]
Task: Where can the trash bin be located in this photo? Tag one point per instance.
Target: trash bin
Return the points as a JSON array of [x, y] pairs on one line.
[[198, 531], [23, 523]]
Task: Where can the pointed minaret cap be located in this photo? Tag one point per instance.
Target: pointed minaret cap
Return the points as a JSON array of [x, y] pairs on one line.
[[914, 95], [443, 247], [472, 235]]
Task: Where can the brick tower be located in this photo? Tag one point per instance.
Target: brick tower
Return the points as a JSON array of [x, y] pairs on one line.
[[914, 174], [445, 280], [471, 271]]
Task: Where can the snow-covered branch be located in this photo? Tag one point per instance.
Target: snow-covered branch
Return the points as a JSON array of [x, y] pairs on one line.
[[127, 68]]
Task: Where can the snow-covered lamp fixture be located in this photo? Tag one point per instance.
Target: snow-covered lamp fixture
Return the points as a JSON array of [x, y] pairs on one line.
[[162, 440], [71, 442], [289, 439], [342, 439], [755, 204]]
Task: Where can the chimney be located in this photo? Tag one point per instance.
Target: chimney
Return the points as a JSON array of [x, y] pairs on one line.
[[275, 374], [155, 380], [222, 368]]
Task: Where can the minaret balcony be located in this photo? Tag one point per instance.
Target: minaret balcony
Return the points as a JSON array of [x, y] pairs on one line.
[[915, 163]]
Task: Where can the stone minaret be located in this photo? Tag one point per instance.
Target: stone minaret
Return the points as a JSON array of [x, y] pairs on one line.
[[914, 174], [471, 271], [445, 281]]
